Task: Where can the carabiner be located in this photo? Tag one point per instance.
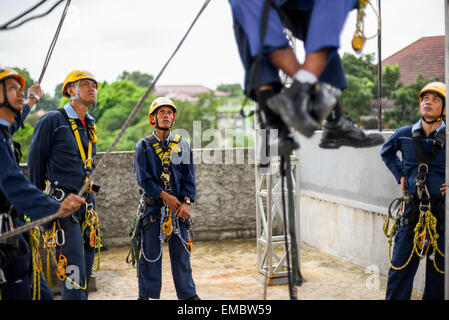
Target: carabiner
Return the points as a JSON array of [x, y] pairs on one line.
[[60, 240]]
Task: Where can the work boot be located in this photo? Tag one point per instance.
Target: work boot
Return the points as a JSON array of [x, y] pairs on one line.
[[283, 142], [325, 99], [303, 106], [344, 132]]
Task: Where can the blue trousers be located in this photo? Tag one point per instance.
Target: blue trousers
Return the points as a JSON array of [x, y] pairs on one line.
[[150, 273], [400, 282], [317, 23], [18, 277], [80, 259]]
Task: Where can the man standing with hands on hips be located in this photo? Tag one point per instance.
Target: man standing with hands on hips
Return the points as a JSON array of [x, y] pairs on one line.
[[421, 172]]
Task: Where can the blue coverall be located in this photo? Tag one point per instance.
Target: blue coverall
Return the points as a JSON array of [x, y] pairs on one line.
[[182, 181], [316, 22], [27, 199], [54, 156], [400, 282]]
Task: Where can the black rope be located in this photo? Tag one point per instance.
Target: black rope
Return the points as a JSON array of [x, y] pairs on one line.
[[5, 26], [291, 285], [131, 117], [53, 42]]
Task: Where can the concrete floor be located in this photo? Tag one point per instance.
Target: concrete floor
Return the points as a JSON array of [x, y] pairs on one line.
[[227, 270]]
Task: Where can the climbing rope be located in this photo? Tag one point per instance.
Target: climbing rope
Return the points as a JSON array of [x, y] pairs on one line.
[[6, 26], [91, 229], [359, 38], [125, 126], [52, 239], [36, 263], [293, 269], [164, 237], [53, 42], [425, 235]]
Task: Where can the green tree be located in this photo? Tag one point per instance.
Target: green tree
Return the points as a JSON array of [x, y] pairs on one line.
[[358, 97], [361, 73], [361, 76], [405, 99], [204, 110], [362, 66], [115, 103], [139, 78], [235, 89], [23, 136]]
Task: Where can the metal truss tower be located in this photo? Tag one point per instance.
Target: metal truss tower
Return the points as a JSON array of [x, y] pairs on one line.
[[271, 252]]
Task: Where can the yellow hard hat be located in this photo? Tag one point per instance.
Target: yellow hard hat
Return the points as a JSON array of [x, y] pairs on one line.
[[160, 102], [438, 87], [9, 73], [74, 76]]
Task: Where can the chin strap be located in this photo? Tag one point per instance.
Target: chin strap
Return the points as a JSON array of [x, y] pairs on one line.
[[440, 118], [78, 98], [430, 122]]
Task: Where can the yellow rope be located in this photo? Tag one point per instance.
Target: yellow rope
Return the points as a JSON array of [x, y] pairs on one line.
[[36, 263], [426, 225], [91, 221], [61, 263]]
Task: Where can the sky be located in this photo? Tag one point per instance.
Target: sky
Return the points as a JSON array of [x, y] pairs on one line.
[[107, 37]]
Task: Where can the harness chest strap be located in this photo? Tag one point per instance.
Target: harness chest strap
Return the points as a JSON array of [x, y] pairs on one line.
[[161, 153], [164, 155], [425, 161], [87, 161]]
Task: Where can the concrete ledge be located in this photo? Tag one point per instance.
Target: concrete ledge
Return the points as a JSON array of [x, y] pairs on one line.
[[345, 201]]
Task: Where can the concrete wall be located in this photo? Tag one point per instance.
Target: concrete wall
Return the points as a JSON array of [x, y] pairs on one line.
[[343, 204], [224, 208]]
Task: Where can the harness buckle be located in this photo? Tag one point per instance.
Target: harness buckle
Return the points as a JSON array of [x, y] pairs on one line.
[[424, 206], [86, 162], [55, 194], [89, 206], [423, 166]]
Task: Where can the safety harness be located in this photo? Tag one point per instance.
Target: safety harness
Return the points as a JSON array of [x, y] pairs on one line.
[[90, 228], [422, 222], [168, 226]]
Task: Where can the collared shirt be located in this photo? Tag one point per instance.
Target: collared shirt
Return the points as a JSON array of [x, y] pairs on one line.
[[149, 169], [54, 153], [402, 141], [5, 123], [14, 186]]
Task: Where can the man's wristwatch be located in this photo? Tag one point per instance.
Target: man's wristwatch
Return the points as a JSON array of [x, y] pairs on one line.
[[187, 201], [33, 95]]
